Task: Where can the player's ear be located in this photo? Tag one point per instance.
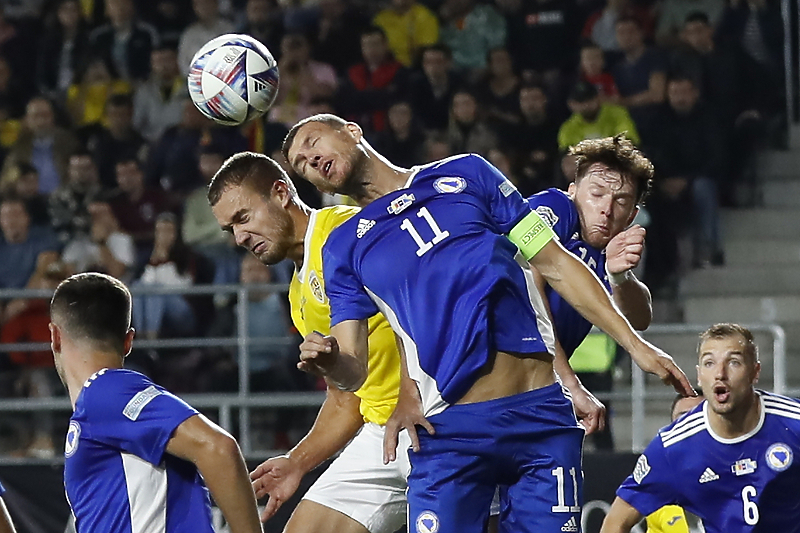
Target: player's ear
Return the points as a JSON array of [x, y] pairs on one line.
[[127, 344], [281, 192], [571, 189], [55, 338], [757, 369], [354, 130]]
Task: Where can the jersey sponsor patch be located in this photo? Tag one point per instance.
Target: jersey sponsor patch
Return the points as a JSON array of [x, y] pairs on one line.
[[427, 522], [450, 184], [364, 226], [316, 287], [73, 437], [139, 401], [708, 475], [743, 467], [548, 215], [779, 457], [641, 470], [400, 204], [506, 188]]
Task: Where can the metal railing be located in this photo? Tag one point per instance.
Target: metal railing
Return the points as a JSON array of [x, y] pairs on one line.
[[243, 401]]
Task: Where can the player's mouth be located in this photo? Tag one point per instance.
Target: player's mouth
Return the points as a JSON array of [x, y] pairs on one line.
[[326, 168], [721, 393], [259, 248]]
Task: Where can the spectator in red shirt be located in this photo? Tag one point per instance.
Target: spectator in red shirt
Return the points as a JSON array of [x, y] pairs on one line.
[[592, 68], [373, 84]]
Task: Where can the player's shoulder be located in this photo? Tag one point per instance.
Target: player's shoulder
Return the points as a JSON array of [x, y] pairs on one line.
[[330, 218], [458, 166], [784, 407], [681, 431], [552, 205], [113, 389]]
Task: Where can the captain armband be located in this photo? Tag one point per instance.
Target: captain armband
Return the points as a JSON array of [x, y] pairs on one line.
[[531, 234]]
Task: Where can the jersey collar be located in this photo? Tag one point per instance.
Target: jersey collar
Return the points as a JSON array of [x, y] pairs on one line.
[[741, 438], [312, 220]]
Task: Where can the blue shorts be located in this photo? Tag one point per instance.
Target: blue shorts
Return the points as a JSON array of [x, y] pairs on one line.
[[530, 444]]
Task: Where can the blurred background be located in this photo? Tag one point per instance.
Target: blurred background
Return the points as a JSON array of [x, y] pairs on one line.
[[104, 163]]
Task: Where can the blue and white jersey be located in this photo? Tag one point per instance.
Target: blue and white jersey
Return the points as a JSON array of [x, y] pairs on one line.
[[435, 259], [117, 475], [747, 484], [558, 210]]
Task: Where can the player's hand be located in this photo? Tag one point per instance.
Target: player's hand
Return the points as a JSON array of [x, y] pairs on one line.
[[407, 415], [624, 251], [318, 354], [279, 478], [653, 360], [590, 411]]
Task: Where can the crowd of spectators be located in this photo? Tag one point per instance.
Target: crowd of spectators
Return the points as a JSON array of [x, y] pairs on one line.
[[105, 160]]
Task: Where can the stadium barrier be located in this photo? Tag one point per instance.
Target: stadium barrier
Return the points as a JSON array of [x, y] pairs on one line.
[[635, 396]]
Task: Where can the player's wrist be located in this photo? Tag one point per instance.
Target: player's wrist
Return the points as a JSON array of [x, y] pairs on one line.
[[618, 278]]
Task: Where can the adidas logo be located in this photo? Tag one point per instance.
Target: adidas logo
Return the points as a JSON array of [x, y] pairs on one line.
[[364, 226], [708, 475], [258, 86], [571, 525]]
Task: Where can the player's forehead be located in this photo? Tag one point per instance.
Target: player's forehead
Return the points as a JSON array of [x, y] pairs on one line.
[[233, 199], [729, 345], [306, 134], [602, 176]]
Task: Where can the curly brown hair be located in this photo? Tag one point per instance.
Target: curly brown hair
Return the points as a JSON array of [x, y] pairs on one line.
[[617, 153]]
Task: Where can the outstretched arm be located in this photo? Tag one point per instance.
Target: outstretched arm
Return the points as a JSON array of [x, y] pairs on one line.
[[623, 254], [338, 421], [584, 292], [6, 525], [341, 357], [620, 518], [218, 458]]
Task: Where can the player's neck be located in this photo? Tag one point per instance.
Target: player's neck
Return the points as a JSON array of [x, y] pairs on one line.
[[380, 177], [301, 214], [739, 422], [83, 364]]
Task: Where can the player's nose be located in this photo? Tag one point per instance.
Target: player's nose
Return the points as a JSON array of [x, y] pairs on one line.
[[241, 237]]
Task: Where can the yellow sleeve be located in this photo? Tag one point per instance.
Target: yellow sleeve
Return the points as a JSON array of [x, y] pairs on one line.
[[427, 28], [668, 519]]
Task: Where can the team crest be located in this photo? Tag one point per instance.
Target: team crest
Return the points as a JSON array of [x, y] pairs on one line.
[[641, 470], [450, 184], [779, 457], [316, 287], [548, 215], [427, 522], [73, 437]]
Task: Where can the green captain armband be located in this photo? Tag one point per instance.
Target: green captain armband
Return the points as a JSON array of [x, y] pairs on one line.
[[531, 234]]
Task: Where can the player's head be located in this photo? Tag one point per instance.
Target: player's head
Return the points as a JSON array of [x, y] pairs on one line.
[[612, 180], [94, 311], [250, 196], [683, 404], [329, 152], [728, 367]]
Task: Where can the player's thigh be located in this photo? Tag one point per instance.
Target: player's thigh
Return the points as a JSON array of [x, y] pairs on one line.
[[449, 492], [549, 493], [313, 517], [359, 486]]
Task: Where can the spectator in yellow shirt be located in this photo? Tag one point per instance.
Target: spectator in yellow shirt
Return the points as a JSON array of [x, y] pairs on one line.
[[409, 27], [591, 119]]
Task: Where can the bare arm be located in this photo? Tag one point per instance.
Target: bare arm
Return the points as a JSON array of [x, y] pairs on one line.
[[338, 421], [620, 518], [623, 254], [218, 458], [341, 357], [6, 525], [655, 93], [590, 411], [583, 291]]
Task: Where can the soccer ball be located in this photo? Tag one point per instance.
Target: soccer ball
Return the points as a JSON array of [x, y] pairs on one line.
[[233, 79]]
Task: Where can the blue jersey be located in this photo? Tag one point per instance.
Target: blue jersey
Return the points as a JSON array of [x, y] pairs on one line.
[[747, 484], [117, 475], [559, 211], [434, 258]]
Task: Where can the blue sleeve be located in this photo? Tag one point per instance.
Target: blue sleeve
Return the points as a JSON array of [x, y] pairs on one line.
[[2, 489], [127, 411], [555, 208], [505, 204], [650, 487], [346, 293]]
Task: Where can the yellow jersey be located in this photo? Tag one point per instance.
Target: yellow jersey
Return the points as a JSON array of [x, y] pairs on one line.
[[311, 312], [668, 519]]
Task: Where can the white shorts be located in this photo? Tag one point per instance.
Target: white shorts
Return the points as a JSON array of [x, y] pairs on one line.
[[360, 486]]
